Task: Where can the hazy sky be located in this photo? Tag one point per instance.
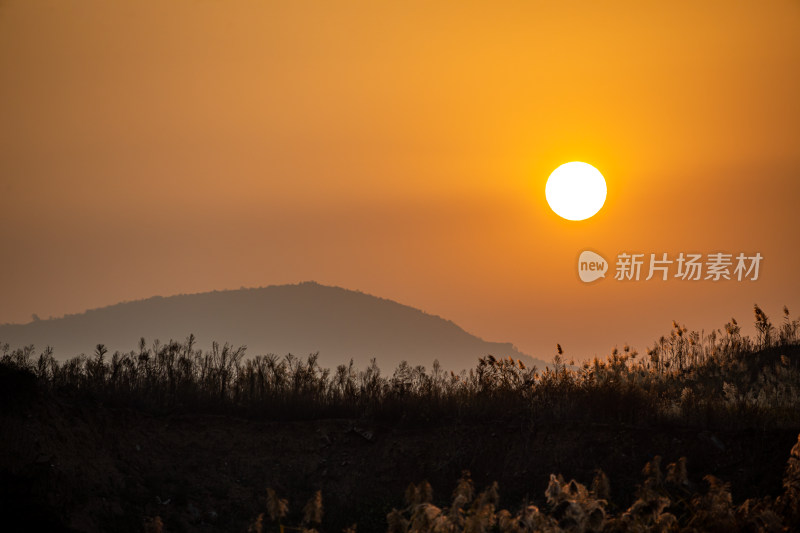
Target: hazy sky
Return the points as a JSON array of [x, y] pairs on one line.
[[152, 147]]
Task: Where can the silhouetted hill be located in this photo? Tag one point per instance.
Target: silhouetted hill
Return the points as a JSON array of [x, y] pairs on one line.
[[300, 319]]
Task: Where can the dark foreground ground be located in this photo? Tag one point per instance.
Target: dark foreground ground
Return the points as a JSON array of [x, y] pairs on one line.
[[70, 464]]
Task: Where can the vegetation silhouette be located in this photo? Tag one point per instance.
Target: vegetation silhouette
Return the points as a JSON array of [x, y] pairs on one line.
[[722, 381]]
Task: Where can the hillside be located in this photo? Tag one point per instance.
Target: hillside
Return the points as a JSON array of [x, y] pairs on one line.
[[300, 319]]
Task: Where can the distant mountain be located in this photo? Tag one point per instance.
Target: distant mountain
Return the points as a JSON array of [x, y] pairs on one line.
[[300, 319]]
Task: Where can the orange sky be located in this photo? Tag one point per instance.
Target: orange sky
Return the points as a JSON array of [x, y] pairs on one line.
[[151, 147]]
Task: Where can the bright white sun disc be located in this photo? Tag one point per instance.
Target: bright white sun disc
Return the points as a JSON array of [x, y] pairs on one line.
[[576, 191]]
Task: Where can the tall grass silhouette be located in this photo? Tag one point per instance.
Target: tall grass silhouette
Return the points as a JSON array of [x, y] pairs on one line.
[[721, 378], [688, 379]]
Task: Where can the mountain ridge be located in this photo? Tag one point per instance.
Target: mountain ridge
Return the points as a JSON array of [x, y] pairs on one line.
[[341, 324]]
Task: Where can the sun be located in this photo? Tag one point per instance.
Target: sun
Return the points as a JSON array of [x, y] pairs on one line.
[[576, 191]]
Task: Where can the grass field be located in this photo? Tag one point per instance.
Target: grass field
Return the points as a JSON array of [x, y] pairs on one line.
[[698, 433]]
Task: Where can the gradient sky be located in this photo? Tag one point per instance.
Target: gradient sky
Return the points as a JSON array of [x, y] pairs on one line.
[[152, 147]]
